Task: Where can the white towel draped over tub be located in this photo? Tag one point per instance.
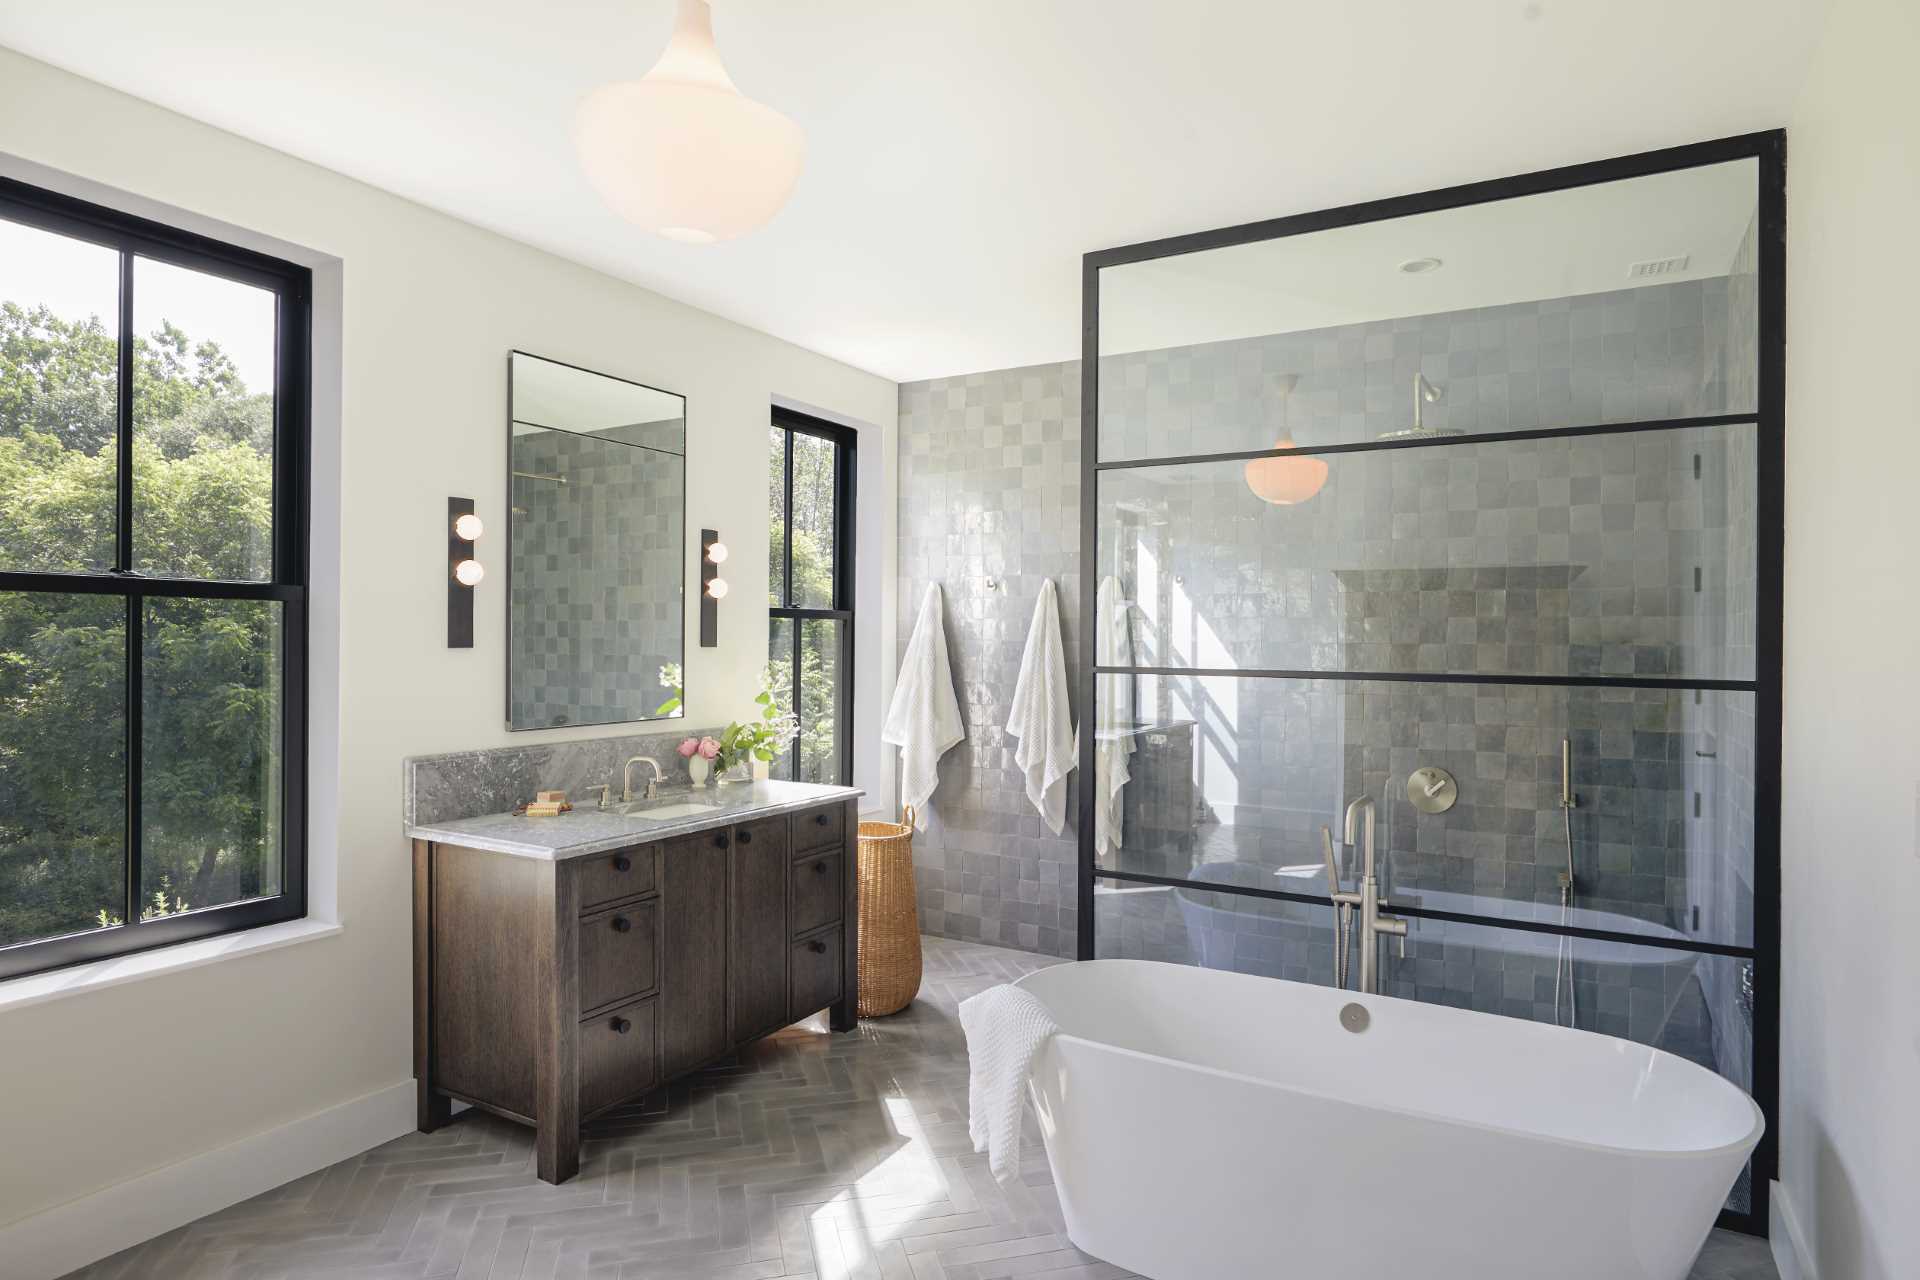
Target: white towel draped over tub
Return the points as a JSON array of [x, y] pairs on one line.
[[1113, 719], [1040, 717], [924, 720], [1006, 1028]]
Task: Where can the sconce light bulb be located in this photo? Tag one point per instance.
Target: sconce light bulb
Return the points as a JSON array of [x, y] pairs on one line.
[[468, 527], [717, 553], [469, 572], [717, 588]]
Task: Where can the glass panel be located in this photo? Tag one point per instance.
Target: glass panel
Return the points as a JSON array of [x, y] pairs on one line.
[[202, 425], [1512, 311], [59, 352], [1629, 555], [1269, 937], [211, 732], [820, 701], [1230, 779], [814, 551], [62, 764], [776, 517], [780, 633]]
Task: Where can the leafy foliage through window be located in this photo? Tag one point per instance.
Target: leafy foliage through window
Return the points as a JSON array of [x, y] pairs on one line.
[[151, 606], [809, 474]]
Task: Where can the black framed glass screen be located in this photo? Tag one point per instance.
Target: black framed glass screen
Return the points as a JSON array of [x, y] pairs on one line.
[[1467, 502]]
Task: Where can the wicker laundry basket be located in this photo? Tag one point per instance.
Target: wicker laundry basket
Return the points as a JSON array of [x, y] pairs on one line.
[[889, 918]]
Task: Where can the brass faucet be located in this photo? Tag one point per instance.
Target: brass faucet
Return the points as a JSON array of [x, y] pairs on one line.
[[626, 779]]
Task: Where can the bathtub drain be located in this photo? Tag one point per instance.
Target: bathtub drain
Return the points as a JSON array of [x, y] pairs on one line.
[[1354, 1017]]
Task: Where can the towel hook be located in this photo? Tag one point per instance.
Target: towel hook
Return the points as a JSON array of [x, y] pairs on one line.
[[993, 584]]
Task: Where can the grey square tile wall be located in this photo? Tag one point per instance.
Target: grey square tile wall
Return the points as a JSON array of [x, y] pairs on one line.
[[990, 490], [1556, 557]]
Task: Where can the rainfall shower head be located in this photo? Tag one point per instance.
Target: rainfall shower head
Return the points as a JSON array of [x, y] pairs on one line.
[[1424, 393]]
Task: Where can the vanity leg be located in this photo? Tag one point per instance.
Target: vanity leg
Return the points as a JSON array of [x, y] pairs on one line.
[[556, 1111], [845, 1014], [432, 1109]]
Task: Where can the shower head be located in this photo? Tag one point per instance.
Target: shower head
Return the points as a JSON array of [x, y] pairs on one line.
[[1424, 393]]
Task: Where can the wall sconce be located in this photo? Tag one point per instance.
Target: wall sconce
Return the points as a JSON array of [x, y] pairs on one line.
[[713, 587], [463, 571]]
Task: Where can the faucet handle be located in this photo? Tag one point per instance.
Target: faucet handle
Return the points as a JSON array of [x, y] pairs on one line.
[[1333, 866], [606, 796]]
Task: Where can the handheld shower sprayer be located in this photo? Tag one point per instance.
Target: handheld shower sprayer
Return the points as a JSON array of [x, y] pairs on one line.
[[1568, 803]]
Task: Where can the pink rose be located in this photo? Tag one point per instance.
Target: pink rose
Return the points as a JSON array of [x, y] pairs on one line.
[[709, 748], [687, 748]]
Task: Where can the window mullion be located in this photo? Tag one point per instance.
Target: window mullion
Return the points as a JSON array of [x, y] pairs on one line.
[[135, 716], [786, 586], [123, 424]]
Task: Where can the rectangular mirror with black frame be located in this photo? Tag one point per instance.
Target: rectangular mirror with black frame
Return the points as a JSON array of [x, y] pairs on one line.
[[596, 547]]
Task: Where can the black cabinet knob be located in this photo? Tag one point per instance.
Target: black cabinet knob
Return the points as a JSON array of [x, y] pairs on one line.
[[820, 868], [621, 924], [819, 819], [621, 1026], [720, 841], [746, 837], [621, 862], [816, 946]]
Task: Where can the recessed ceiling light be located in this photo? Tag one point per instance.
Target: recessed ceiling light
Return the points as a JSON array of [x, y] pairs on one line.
[[1420, 266]]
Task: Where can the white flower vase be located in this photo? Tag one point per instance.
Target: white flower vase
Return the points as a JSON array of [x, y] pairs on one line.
[[698, 769]]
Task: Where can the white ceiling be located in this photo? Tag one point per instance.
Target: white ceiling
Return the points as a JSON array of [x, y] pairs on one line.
[[962, 154]]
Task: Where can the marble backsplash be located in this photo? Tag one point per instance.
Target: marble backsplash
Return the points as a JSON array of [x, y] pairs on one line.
[[468, 784]]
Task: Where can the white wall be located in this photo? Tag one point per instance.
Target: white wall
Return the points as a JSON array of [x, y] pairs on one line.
[[103, 1086], [1850, 1089]]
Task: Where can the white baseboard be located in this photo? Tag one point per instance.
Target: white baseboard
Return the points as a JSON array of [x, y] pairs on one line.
[[71, 1235], [1790, 1254]]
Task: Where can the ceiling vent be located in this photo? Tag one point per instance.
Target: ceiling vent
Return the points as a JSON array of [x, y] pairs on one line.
[[1653, 268]]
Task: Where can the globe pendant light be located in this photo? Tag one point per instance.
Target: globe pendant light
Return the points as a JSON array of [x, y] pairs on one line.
[[1285, 481], [681, 151]]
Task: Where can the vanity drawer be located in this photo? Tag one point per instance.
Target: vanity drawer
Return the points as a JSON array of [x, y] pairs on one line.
[[815, 827], [814, 973], [818, 891], [619, 953], [619, 1055], [609, 877]]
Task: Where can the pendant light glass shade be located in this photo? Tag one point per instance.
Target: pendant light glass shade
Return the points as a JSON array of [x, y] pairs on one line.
[[681, 152], [1285, 481]]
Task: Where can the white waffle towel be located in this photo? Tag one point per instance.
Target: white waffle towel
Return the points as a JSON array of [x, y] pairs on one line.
[[924, 720], [1006, 1028], [1040, 717]]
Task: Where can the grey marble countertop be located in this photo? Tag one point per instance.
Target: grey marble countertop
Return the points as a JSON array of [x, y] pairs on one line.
[[591, 830]]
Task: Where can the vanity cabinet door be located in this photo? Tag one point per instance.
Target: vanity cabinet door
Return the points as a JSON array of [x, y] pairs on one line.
[[693, 905], [758, 968]]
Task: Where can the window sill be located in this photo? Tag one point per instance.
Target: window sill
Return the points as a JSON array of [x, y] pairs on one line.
[[37, 988]]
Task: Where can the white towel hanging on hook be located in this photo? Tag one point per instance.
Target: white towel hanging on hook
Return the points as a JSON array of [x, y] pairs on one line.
[[1040, 716]]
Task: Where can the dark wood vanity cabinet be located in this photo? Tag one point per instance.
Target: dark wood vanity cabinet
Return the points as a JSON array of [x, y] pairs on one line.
[[546, 991]]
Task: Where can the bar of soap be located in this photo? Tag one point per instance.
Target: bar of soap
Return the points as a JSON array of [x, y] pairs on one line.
[[550, 797]]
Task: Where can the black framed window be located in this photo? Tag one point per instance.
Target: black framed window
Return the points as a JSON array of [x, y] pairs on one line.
[[153, 568], [810, 591]]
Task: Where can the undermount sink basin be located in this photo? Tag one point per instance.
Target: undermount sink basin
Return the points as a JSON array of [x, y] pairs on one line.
[[666, 812]]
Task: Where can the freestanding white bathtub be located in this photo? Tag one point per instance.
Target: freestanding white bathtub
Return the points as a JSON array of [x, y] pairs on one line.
[[1204, 1125]]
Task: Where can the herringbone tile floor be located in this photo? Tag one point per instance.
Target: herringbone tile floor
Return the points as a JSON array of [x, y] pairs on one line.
[[835, 1157]]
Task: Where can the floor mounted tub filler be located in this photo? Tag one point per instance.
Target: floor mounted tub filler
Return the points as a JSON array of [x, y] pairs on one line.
[[1204, 1125]]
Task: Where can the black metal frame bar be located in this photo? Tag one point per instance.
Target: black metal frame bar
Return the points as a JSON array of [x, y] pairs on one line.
[[844, 440], [507, 594], [1768, 149], [292, 286]]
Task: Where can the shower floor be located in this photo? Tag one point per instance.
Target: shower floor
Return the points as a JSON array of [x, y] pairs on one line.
[[813, 1155]]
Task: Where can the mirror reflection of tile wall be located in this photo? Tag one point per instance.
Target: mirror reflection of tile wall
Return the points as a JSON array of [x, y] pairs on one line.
[[596, 603]]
